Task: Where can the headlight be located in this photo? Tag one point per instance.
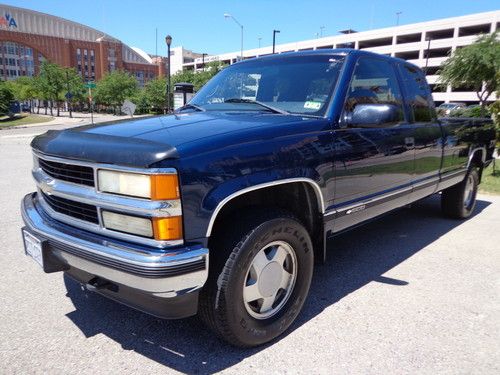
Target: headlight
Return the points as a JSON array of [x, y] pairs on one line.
[[127, 224], [159, 228], [155, 186]]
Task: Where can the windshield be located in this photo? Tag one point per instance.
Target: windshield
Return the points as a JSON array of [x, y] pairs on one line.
[[292, 84]]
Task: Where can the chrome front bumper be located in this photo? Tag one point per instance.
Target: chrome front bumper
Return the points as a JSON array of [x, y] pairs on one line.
[[159, 273]]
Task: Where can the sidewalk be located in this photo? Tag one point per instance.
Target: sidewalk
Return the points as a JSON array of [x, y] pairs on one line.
[[78, 118]]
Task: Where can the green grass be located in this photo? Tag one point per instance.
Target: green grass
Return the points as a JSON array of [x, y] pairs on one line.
[[23, 120], [490, 183]]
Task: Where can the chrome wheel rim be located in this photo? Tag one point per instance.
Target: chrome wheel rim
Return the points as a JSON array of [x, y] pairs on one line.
[[270, 280], [469, 192]]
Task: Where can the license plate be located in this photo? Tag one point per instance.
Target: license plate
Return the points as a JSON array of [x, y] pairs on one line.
[[33, 247]]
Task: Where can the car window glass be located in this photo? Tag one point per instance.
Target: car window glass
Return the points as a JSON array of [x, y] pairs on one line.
[[418, 94], [374, 81]]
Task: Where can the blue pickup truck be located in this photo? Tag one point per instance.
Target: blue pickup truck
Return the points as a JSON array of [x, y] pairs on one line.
[[222, 208]]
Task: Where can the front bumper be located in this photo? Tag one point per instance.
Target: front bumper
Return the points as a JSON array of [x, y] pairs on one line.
[[161, 282]]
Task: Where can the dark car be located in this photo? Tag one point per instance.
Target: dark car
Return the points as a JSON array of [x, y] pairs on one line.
[[221, 208]]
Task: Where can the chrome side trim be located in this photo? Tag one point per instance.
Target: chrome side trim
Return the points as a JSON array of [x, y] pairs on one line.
[[473, 151], [317, 190], [354, 206], [149, 260]]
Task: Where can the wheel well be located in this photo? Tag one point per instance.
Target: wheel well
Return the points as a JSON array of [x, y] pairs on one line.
[[298, 198]]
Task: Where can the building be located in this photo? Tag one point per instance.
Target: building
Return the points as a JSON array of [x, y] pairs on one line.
[[27, 37], [426, 44]]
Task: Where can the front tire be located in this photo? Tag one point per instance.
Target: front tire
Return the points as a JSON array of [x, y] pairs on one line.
[[259, 278], [459, 201]]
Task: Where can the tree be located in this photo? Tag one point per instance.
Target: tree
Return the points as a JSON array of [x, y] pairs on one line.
[[476, 65], [6, 97], [154, 94], [198, 79], [73, 86], [51, 83], [24, 89], [114, 88]]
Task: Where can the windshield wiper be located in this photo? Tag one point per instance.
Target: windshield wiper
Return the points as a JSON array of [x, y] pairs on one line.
[[191, 106], [250, 101]]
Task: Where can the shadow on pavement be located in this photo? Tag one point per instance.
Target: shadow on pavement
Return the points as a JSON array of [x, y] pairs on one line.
[[355, 259]]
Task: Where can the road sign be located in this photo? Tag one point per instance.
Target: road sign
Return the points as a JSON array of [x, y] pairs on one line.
[[90, 85]]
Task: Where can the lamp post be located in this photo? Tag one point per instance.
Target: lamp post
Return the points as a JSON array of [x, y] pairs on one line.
[[168, 40], [203, 60], [227, 15], [397, 17], [259, 38], [274, 39]]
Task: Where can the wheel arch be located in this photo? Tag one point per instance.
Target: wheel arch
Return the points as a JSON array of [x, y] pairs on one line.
[[261, 188]]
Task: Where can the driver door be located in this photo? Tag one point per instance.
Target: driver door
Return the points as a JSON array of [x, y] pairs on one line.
[[374, 163]]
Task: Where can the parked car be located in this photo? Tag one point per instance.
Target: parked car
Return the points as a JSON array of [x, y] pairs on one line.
[[446, 108], [222, 208]]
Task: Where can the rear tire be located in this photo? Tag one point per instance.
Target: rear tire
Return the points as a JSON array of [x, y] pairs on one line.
[[259, 278], [459, 201]]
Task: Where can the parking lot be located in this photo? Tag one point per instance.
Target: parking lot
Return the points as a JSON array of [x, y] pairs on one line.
[[411, 293]]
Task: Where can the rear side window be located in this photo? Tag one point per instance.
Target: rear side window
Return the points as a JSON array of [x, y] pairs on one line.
[[374, 81], [417, 94]]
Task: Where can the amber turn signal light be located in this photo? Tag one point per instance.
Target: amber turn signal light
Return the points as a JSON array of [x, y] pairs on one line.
[[167, 228], [164, 186]]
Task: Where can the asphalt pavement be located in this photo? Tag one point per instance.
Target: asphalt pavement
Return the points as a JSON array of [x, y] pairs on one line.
[[410, 293]]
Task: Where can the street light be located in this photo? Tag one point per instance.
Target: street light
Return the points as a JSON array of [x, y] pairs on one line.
[[397, 17], [203, 60], [274, 39], [259, 38], [168, 40], [321, 28], [227, 15]]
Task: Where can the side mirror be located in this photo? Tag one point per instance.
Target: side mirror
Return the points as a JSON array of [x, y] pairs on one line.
[[373, 115]]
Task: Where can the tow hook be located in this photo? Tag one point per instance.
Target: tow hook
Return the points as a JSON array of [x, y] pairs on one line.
[[97, 284]]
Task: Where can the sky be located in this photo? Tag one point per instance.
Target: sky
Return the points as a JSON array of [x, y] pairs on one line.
[[200, 25]]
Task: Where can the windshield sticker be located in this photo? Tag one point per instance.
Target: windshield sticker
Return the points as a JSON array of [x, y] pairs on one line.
[[312, 105]]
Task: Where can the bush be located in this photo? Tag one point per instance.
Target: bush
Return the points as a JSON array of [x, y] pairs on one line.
[[6, 97], [474, 111]]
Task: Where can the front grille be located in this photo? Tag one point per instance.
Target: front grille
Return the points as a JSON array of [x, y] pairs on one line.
[[71, 208], [68, 172]]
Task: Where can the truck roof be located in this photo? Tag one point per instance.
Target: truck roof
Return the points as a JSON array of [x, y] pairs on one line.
[[336, 51]]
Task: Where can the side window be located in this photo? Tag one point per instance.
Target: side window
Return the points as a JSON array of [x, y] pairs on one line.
[[374, 81], [418, 94]]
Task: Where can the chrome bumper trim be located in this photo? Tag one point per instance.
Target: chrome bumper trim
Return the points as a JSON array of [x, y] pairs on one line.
[[154, 271]]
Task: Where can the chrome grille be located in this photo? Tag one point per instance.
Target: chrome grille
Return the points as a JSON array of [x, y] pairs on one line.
[[71, 208], [77, 174]]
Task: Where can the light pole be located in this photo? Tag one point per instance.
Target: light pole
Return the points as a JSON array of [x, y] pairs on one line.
[[168, 40], [274, 39], [203, 60], [227, 15], [68, 94], [397, 17], [259, 38], [321, 28]]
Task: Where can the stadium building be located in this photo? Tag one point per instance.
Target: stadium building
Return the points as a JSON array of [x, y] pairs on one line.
[[27, 37]]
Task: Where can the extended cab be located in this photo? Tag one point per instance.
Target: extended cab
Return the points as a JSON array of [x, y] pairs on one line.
[[221, 208]]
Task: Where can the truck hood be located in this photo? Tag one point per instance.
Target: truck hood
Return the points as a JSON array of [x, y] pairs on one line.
[[143, 142]]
